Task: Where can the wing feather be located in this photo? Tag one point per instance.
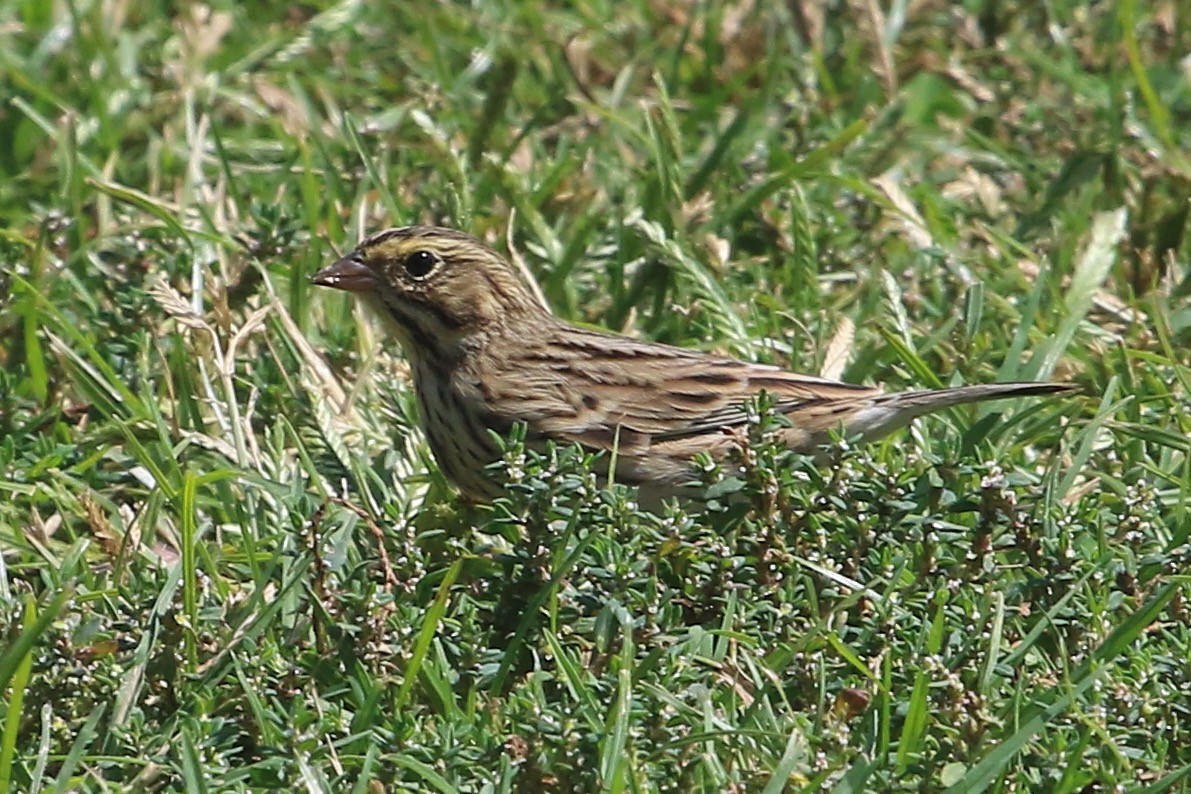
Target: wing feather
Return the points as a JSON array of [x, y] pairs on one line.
[[600, 389]]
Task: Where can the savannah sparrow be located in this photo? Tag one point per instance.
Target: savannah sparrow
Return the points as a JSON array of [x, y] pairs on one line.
[[485, 354]]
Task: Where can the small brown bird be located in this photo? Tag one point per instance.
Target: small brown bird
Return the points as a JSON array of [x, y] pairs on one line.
[[486, 354]]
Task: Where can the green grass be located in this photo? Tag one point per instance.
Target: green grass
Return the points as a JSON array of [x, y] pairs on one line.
[[228, 562]]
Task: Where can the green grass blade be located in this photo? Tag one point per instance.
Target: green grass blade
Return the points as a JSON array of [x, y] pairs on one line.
[[16, 699], [984, 773], [82, 741], [1092, 268], [426, 635]]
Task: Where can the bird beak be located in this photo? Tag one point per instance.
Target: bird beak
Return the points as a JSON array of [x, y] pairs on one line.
[[348, 274]]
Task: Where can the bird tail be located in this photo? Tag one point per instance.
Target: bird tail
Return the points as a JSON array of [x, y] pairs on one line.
[[917, 403], [888, 412]]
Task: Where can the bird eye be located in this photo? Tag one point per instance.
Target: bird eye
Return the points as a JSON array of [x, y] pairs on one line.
[[420, 263]]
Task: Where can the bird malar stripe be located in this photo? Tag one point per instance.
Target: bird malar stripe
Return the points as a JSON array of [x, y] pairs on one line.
[[425, 323]]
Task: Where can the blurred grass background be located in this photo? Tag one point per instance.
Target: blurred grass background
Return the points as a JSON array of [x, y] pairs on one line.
[[228, 562]]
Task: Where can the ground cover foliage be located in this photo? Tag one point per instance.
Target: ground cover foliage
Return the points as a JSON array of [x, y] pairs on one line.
[[227, 561]]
